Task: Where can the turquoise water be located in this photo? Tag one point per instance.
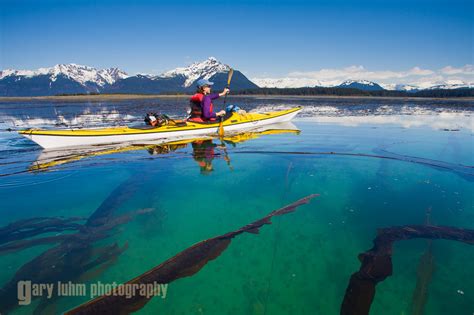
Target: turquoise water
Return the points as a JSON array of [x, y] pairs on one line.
[[301, 264]]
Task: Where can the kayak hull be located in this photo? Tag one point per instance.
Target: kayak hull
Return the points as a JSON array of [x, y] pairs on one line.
[[52, 139]]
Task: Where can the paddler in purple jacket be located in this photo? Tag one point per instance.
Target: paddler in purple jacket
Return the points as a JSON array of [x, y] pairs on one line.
[[206, 103]]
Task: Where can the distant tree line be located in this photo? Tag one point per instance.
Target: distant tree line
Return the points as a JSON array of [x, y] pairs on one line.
[[322, 91], [77, 94], [446, 93], [118, 93], [313, 91]]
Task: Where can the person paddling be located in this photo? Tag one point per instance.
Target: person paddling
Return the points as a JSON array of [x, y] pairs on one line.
[[201, 102]]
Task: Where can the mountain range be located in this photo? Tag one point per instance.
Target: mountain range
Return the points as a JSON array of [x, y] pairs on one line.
[[78, 79], [364, 85]]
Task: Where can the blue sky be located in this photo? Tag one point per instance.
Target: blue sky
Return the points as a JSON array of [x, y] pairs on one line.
[[260, 38]]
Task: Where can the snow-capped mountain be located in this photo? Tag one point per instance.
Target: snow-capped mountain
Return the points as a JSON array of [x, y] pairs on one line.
[[73, 79], [79, 79], [114, 74], [285, 83], [302, 82], [450, 85], [400, 87], [364, 82], [183, 79], [363, 85], [81, 74], [198, 70]]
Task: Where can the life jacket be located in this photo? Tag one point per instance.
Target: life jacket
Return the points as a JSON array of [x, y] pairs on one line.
[[195, 103], [196, 108]]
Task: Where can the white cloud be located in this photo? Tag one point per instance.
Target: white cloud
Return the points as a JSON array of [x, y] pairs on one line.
[[419, 71], [415, 76], [467, 69], [359, 72]]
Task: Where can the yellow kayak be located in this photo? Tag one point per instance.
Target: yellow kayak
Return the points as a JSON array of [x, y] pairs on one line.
[[60, 138]]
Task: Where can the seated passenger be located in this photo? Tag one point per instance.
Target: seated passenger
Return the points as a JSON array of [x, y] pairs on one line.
[[201, 102]]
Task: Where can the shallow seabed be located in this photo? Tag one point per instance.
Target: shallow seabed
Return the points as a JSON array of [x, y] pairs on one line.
[[371, 173]]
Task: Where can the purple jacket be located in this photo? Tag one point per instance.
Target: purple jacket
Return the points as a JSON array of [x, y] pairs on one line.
[[206, 105]]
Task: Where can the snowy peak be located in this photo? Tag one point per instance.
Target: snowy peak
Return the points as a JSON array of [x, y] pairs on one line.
[[79, 73], [198, 70], [284, 83], [363, 82], [23, 73], [450, 85], [114, 74], [292, 82], [85, 74], [363, 85], [400, 87]]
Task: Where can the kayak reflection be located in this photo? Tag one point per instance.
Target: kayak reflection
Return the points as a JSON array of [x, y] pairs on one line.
[[204, 149]]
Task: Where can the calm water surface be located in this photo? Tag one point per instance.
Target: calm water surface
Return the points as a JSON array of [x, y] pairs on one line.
[[301, 264]]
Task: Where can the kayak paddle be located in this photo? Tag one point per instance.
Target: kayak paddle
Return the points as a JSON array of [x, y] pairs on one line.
[[221, 126]]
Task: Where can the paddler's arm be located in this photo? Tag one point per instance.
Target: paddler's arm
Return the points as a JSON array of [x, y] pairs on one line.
[[206, 105]]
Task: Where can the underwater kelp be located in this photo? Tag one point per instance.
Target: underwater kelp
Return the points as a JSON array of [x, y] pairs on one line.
[[423, 279], [30, 227], [377, 262], [76, 256], [424, 275], [15, 235], [184, 264]]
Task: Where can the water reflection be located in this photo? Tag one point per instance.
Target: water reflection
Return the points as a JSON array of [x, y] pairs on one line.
[[204, 153], [437, 121], [204, 149]]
